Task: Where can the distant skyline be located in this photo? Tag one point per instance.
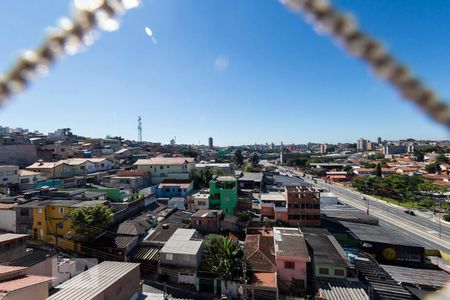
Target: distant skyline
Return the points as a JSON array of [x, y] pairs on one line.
[[243, 72]]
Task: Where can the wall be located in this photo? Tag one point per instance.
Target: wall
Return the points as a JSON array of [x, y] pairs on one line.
[[8, 220], [11, 250], [21, 155], [128, 285], [288, 275]]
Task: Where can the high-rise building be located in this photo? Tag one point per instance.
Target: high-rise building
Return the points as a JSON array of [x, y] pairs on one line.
[[210, 142], [361, 145], [323, 148], [380, 140]]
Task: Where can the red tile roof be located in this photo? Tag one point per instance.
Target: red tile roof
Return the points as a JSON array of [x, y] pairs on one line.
[[265, 279]]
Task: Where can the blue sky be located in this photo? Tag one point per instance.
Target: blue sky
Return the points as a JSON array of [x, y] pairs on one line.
[[241, 71]]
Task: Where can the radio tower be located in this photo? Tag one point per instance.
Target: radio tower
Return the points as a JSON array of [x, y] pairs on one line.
[[140, 129]]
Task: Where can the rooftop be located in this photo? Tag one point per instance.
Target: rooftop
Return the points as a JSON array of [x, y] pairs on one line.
[[22, 282], [265, 279], [335, 289], [180, 242], [164, 161], [94, 281], [207, 213], [290, 242], [226, 178], [11, 236], [272, 196], [325, 248], [259, 251], [258, 177], [418, 277]]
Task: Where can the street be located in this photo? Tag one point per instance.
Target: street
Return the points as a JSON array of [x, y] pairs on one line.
[[428, 233]]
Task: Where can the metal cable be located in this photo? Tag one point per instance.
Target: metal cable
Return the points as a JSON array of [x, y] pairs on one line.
[[69, 37], [344, 28]]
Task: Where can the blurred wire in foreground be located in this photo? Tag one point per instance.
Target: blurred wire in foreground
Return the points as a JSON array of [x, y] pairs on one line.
[[68, 38], [344, 28]]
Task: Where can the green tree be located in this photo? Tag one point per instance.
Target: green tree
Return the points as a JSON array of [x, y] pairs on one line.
[[223, 256], [348, 169], [247, 168], [378, 171], [254, 160], [418, 154], [238, 158], [88, 222], [442, 159], [189, 153], [433, 168]]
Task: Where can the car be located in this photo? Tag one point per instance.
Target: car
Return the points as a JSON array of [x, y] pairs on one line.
[[410, 212]]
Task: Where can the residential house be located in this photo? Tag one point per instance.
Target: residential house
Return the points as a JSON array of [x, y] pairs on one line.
[[273, 206], [223, 194], [161, 168], [50, 223], [207, 221], [199, 200], [259, 252], [291, 256], [16, 284], [328, 257], [107, 280], [169, 188], [9, 175], [250, 181], [28, 179], [52, 169], [181, 256], [12, 246]]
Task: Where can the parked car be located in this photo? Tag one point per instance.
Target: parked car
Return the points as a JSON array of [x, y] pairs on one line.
[[410, 212]]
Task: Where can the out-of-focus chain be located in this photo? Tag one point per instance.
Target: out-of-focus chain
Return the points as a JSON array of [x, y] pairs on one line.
[[344, 28], [71, 36]]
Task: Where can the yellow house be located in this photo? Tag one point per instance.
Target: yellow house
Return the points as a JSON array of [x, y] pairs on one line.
[[50, 223]]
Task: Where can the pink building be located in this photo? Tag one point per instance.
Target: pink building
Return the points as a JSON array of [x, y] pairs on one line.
[[291, 255]]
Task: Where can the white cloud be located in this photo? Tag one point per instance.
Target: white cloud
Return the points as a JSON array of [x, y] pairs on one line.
[[221, 63]]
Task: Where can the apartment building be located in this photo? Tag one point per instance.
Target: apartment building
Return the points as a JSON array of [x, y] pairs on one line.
[[303, 205]]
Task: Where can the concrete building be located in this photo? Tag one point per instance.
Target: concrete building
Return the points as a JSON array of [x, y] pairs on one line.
[[227, 168], [108, 280], [394, 149], [161, 168], [207, 221], [363, 145], [9, 175], [28, 179], [323, 148], [199, 200], [223, 194], [273, 206], [291, 255], [52, 169], [210, 143], [303, 205], [21, 155], [181, 256]]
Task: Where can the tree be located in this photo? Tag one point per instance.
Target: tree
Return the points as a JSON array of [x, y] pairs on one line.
[[433, 167], [223, 256], [238, 158], [348, 169], [419, 155], [254, 160], [189, 153], [247, 168], [378, 171], [88, 222], [442, 159]]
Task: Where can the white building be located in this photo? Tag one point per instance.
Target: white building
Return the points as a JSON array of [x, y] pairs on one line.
[[9, 175], [161, 168]]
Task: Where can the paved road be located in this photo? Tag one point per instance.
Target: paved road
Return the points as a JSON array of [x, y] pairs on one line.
[[419, 229]]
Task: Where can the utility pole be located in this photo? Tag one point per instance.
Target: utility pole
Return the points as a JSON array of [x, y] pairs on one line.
[[139, 129]]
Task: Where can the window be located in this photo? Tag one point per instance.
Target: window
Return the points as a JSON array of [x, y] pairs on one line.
[[280, 215], [339, 272], [169, 256], [61, 210], [39, 223], [39, 211], [289, 265], [161, 167], [324, 271]]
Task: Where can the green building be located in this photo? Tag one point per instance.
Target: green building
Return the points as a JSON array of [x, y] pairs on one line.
[[223, 194]]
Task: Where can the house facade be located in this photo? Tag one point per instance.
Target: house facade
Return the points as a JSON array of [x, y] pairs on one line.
[[161, 168], [223, 194]]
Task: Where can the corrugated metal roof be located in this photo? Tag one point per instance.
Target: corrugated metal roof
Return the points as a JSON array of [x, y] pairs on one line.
[[94, 281], [341, 290]]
